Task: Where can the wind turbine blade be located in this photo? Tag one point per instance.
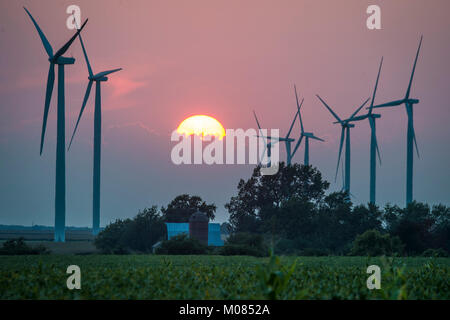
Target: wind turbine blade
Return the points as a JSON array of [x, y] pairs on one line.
[[300, 115], [376, 86], [298, 108], [292, 125], [264, 140], [86, 96], [262, 154], [357, 110], [329, 109], [104, 73], [358, 118], [271, 138], [373, 129], [84, 50], [340, 152], [47, 46], [414, 69], [259, 127], [86, 57], [48, 97], [415, 142], [317, 138], [256, 118], [390, 104], [297, 145], [64, 48], [378, 151]]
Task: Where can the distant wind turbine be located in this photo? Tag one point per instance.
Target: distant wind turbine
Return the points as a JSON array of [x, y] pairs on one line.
[[411, 136], [60, 187], [98, 78], [345, 133], [373, 139], [306, 135], [268, 145]]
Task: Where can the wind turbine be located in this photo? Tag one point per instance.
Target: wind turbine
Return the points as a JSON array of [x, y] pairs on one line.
[[373, 139], [307, 135], [60, 186], [411, 136], [287, 141], [98, 78], [345, 134]]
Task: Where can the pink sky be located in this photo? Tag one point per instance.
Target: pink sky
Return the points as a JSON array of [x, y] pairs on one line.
[[223, 59]]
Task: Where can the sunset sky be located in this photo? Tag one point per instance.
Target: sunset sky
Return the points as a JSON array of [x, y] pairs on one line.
[[222, 59]]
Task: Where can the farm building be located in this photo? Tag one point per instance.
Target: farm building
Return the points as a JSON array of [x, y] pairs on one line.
[[214, 237]]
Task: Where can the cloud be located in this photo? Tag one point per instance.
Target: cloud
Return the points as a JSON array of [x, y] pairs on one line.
[[136, 124], [123, 86]]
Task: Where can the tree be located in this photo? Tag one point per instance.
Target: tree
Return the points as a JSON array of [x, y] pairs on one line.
[[109, 240], [144, 230], [182, 244], [137, 234], [245, 244], [373, 243], [418, 227], [183, 206], [256, 208]]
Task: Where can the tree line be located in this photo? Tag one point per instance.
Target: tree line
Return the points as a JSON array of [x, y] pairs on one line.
[[292, 213]]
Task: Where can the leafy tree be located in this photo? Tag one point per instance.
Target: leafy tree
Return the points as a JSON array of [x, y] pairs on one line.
[[109, 240], [225, 228], [19, 247], [183, 206], [137, 234], [144, 230], [182, 244], [416, 226], [441, 230], [245, 244], [373, 243], [256, 206]]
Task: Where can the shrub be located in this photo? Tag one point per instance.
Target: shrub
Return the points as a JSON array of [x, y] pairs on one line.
[[435, 253], [245, 244], [373, 243], [138, 234], [285, 246], [182, 244], [19, 247], [314, 252], [109, 240]]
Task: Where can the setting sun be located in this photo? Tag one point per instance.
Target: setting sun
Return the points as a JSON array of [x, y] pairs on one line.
[[201, 125]]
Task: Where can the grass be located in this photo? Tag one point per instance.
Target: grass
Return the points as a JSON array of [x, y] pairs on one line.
[[219, 277]]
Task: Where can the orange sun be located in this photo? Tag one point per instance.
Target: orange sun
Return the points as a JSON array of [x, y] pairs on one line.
[[201, 125]]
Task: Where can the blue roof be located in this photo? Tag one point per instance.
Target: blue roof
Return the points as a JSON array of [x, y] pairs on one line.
[[214, 237]]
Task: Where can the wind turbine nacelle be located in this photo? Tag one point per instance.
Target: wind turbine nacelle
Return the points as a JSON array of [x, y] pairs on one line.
[[98, 78], [376, 115], [412, 101], [350, 125], [63, 60]]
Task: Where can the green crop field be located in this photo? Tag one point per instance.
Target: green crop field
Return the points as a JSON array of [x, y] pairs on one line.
[[219, 277]]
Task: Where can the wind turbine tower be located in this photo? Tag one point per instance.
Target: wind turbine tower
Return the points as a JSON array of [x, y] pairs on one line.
[[373, 139], [98, 78], [60, 186], [303, 134], [411, 136], [345, 134]]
